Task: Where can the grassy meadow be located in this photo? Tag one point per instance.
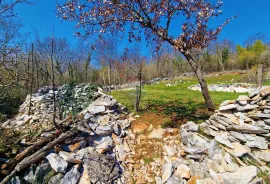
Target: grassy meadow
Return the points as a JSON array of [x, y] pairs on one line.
[[178, 101]]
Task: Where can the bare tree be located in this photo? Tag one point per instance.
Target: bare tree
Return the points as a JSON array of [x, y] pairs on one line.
[[153, 18], [53, 84], [32, 78]]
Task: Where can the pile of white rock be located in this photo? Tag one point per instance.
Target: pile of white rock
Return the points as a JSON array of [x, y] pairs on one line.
[[232, 88], [87, 158], [232, 147]]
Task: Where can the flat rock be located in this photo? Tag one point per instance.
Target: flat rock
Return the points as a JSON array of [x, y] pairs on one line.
[[228, 107], [194, 149], [247, 107], [246, 128], [227, 102], [104, 130], [223, 141], [157, 134], [57, 179], [198, 169], [101, 168], [263, 155], [72, 177], [167, 170], [254, 93], [70, 157], [239, 150], [57, 163], [238, 136], [215, 166], [244, 175], [105, 101], [257, 142], [216, 176], [170, 150], [265, 91], [262, 115], [182, 171], [243, 98], [41, 172], [232, 167], [93, 109]]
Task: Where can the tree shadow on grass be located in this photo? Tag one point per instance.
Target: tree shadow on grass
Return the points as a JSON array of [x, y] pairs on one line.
[[180, 112]]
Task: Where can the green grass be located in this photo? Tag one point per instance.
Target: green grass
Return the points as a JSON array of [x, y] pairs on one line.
[[162, 96], [178, 103]]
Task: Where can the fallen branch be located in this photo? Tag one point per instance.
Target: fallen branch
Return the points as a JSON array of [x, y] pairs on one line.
[[38, 155], [28, 161], [9, 166]]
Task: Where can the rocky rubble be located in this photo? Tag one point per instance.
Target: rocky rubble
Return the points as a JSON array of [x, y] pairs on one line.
[[88, 157], [229, 148], [239, 151], [233, 88]]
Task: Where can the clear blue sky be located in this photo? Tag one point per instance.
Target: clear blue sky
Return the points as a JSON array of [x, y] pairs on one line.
[[254, 17]]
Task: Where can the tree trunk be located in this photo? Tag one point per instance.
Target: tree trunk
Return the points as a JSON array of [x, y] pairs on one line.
[[138, 89], [204, 89], [53, 86], [109, 76], [32, 80], [259, 75], [199, 75], [37, 72]]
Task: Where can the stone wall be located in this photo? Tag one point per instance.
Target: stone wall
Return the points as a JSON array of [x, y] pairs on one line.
[[232, 88]]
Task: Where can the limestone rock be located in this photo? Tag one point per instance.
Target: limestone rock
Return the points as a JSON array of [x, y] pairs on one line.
[[182, 171], [246, 128], [238, 151], [232, 167], [170, 150], [205, 181], [95, 163], [263, 155], [96, 109], [228, 107], [257, 142], [85, 179], [105, 144], [247, 107], [72, 177], [191, 126], [41, 172], [238, 136], [244, 175], [167, 170], [221, 140], [174, 180], [156, 133], [104, 130], [57, 179], [70, 157], [57, 163], [265, 91]]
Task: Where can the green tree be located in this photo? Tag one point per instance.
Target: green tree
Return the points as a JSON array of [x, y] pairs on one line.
[[258, 48], [225, 55], [246, 56]]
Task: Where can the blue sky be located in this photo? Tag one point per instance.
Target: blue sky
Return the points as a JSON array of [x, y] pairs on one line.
[[254, 17]]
